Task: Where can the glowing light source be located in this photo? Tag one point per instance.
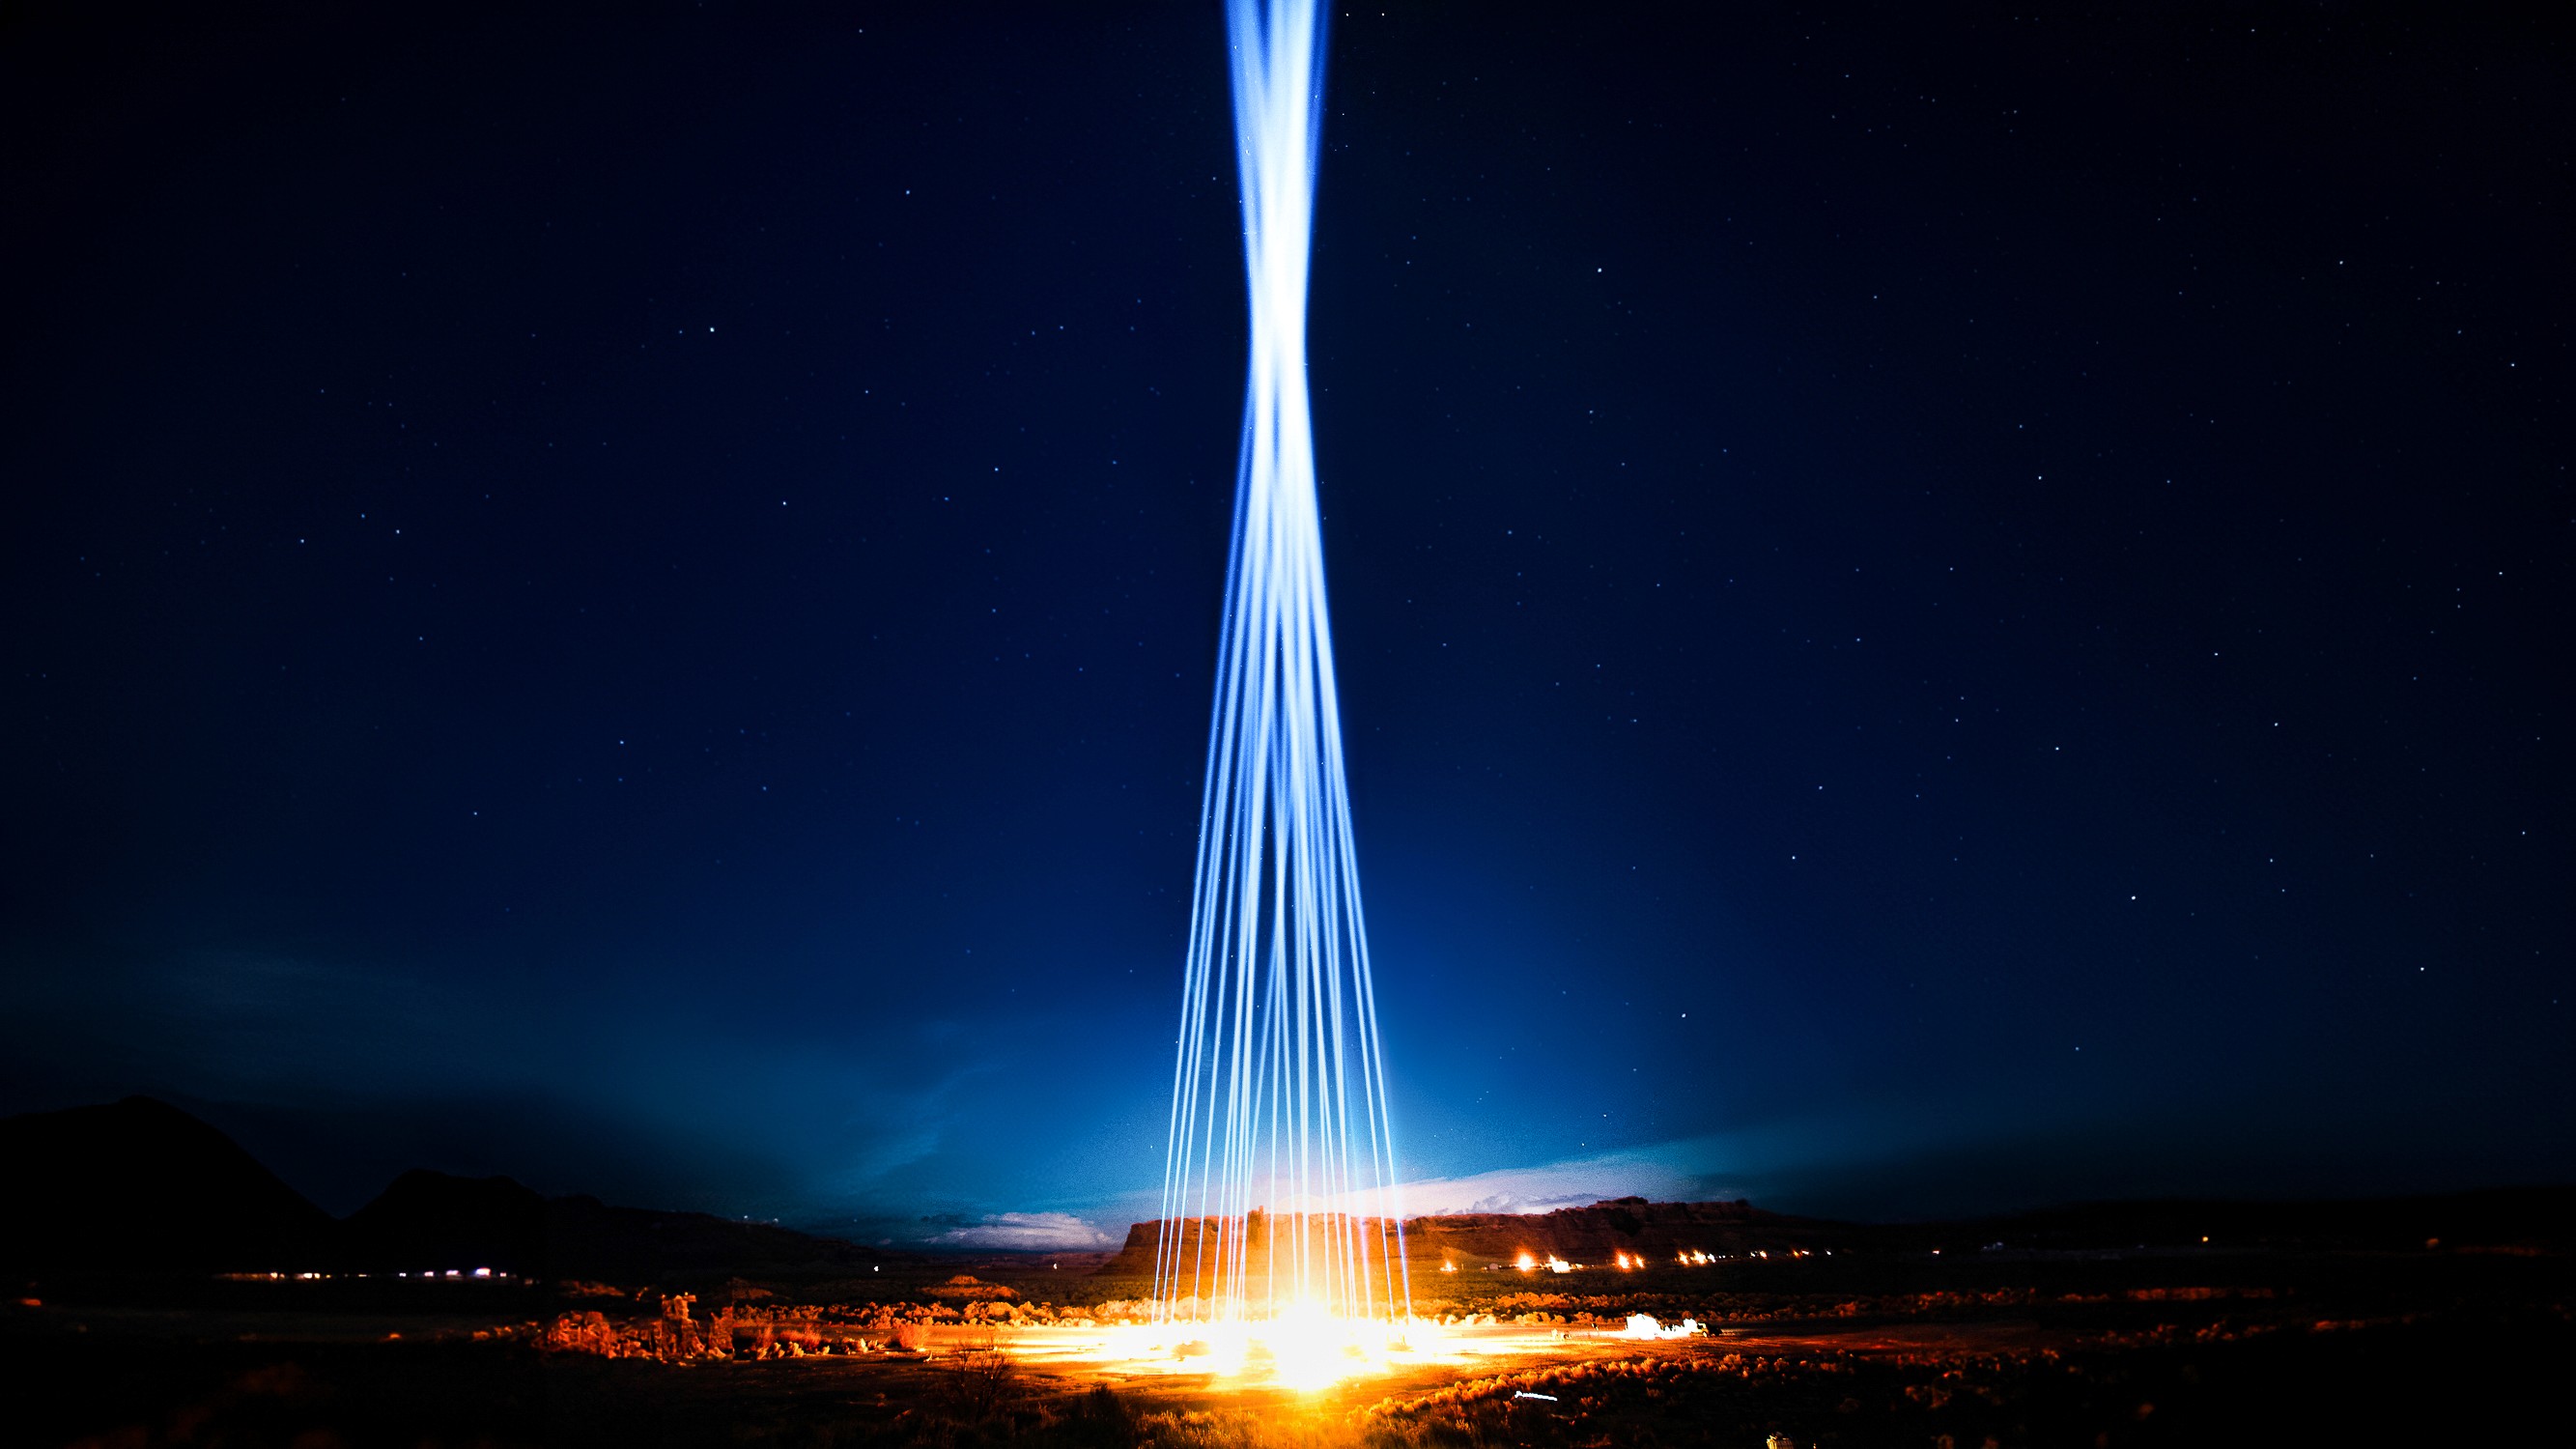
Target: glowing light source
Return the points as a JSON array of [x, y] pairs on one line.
[[1278, 1190], [1644, 1325]]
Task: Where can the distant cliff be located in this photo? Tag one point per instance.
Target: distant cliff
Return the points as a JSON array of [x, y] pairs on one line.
[[1595, 1235], [2519, 1219]]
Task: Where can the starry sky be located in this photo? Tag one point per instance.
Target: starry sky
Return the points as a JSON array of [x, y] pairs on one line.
[[1938, 613]]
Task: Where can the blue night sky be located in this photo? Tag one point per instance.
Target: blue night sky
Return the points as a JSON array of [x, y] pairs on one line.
[[1935, 614]]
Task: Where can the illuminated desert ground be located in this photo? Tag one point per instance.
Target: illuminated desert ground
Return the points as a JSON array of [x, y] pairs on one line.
[[2251, 1341]]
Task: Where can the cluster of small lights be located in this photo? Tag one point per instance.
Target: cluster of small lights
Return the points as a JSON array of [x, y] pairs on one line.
[[1627, 1262], [463, 1274]]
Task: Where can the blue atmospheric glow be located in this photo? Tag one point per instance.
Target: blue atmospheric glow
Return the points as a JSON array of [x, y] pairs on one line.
[[1278, 1089]]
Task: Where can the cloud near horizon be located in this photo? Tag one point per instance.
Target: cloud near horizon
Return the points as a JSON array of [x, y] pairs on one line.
[[1648, 1172], [1575, 1182], [1029, 1232]]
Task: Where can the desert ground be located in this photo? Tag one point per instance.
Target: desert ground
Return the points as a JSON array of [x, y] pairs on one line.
[[2217, 1345]]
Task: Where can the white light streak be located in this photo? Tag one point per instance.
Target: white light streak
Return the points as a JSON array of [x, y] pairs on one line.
[[1279, 1197]]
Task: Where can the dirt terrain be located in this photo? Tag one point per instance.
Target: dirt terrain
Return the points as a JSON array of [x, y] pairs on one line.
[[2250, 1345], [167, 1290]]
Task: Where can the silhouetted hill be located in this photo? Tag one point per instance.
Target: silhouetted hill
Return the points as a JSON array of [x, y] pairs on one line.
[[431, 1221], [2537, 1217], [140, 1186], [587, 1238]]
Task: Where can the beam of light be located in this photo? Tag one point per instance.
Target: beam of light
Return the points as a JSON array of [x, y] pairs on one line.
[[1279, 1213]]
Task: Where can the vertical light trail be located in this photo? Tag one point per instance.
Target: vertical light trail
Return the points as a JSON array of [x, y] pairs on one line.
[[1279, 1186]]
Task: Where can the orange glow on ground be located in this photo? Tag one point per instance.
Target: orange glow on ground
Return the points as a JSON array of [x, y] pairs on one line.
[[1301, 1352]]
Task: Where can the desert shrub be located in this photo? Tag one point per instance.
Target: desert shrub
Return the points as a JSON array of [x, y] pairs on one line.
[[1095, 1420], [979, 1376], [1236, 1429]]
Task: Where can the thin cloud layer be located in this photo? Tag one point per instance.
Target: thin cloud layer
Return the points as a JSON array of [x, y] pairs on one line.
[[1577, 1182], [1028, 1232]]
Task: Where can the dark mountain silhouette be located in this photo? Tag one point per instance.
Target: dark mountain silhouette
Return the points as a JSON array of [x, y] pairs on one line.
[[140, 1186], [429, 1221], [586, 1238], [2506, 1217]]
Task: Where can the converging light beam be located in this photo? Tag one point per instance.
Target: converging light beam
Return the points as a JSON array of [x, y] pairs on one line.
[[1279, 1187]]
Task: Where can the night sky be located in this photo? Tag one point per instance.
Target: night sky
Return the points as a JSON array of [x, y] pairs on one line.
[[1937, 612]]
